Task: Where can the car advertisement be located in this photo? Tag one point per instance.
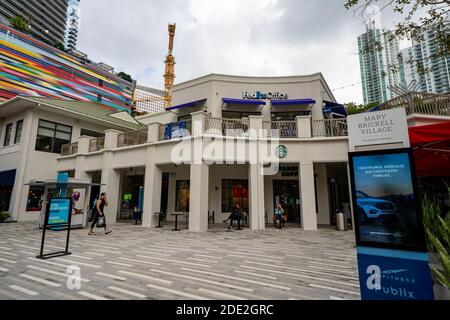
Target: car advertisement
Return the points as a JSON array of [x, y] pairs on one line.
[[385, 204], [59, 211]]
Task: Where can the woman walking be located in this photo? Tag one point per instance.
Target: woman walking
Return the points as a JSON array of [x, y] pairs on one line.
[[99, 212]]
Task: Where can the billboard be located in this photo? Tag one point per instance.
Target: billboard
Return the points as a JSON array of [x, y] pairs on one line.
[[59, 211], [387, 211]]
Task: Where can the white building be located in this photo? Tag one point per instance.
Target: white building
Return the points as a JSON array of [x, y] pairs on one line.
[[226, 140], [33, 131], [378, 59], [149, 100]]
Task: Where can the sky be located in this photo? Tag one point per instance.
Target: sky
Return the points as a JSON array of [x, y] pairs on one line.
[[238, 37]]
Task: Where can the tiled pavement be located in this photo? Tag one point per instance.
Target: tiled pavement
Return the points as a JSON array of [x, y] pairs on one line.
[[138, 263]]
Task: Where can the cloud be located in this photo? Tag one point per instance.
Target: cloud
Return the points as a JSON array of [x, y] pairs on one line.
[[243, 37]]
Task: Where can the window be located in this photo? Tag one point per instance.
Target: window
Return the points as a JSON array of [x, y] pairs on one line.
[[51, 136], [289, 116], [182, 195], [8, 131], [234, 192], [238, 114], [35, 198], [18, 135], [90, 133]]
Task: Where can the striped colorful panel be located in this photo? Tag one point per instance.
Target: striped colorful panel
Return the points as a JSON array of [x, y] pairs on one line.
[[31, 68]]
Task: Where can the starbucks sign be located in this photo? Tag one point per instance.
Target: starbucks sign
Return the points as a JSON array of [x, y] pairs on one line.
[[281, 151]]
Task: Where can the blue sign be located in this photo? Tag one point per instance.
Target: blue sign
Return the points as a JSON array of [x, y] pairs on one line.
[[386, 274], [59, 211], [175, 130], [61, 184]]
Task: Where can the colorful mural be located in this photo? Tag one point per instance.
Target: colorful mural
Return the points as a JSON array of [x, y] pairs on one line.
[[32, 68]]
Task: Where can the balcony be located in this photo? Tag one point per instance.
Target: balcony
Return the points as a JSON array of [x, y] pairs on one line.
[[132, 138], [329, 128], [421, 103], [174, 130], [69, 149], [96, 144], [282, 129], [227, 127]]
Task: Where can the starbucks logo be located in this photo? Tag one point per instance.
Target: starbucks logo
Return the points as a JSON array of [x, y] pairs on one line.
[[281, 151]]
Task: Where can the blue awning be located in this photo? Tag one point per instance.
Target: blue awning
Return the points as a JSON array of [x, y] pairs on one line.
[[189, 104], [7, 178], [243, 102], [334, 109], [293, 102]]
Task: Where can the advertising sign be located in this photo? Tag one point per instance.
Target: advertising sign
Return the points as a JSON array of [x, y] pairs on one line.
[[378, 128], [59, 211], [175, 130], [387, 212], [394, 275]]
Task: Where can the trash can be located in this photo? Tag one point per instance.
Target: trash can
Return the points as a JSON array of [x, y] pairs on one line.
[[341, 223]]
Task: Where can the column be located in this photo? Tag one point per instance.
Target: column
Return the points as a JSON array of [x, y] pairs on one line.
[[80, 173], [152, 190], [303, 126], [198, 198], [256, 196], [153, 132], [309, 217], [111, 185], [322, 193]]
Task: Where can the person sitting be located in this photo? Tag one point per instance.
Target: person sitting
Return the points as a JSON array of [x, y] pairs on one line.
[[236, 214], [279, 216]]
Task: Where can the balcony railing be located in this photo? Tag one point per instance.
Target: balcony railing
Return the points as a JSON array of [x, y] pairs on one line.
[[96, 144], [329, 128], [281, 129], [421, 103], [227, 127], [132, 138], [69, 149], [175, 130]]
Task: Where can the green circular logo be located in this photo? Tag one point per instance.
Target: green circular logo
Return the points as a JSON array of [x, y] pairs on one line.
[[281, 151]]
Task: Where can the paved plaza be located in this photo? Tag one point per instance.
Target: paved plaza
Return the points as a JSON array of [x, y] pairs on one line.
[[139, 263]]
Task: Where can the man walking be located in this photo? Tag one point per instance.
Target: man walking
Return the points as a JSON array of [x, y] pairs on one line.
[[99, 212]]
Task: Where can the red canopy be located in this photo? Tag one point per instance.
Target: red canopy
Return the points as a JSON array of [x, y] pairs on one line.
[[431, 145]]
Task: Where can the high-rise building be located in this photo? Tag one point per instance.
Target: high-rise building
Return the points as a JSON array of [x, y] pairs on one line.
[[378, 59], [29, 67], [73, 22], [47, 19], [408, 68], [149, 100], [430, 70]]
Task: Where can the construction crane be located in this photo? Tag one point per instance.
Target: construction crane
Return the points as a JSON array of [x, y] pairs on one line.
[[169, 76]]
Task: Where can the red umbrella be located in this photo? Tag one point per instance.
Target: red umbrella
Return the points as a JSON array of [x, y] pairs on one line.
[[431, 145]]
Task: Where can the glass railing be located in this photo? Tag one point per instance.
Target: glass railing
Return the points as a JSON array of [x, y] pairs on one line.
[[132, 138], [69, 149], [96, 144]]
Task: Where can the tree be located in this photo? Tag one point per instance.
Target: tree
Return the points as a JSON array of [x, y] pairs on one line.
[[125, 76], [19, 23], [353, 108], [60, 46], [434, 20]]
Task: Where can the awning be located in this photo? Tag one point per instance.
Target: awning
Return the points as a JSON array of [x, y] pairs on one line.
[[243, 102], [293, 102], [7, 178], [334, 109], [431, 145], [189, 104]]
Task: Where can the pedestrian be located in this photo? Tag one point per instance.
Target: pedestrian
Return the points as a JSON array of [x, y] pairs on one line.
[[236, 214], [279, 215], [99, 212], [137, 215]]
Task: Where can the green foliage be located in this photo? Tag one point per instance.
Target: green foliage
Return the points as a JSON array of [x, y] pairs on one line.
[[19, 23], [353, 108], [125, 76], [437, 231], [60, 46], [3, 216]]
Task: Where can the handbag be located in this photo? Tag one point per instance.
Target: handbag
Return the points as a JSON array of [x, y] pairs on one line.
[[101, 222]]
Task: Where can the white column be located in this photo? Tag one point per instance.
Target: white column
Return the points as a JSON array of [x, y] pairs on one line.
[[152, 190], [350, 196], [198, 198], [111, 138], [153, 132], [309, 217], [256, 197], [83, 149], [322, 193], [304, 126], [111, 185]]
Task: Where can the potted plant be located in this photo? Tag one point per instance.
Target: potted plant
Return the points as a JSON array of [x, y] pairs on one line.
[[437, 229], [3, 216]]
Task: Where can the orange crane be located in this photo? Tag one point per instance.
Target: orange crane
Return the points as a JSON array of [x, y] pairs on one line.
[[169, 75]]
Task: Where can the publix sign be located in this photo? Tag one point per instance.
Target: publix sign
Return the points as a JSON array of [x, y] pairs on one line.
[[266, 96]]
